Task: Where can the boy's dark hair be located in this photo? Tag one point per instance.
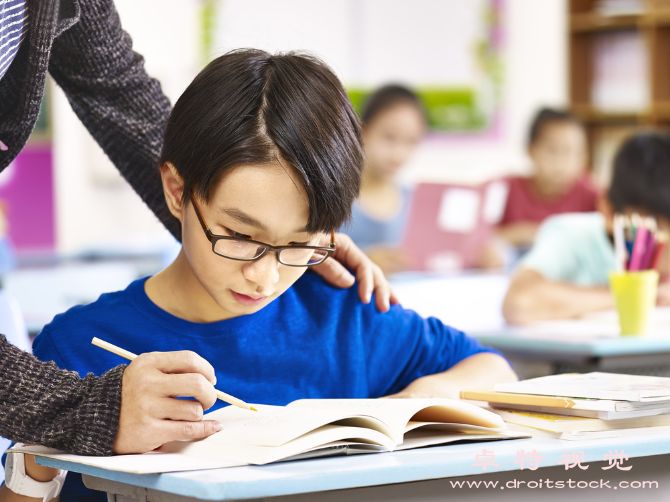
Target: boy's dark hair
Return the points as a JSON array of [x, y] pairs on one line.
[[386, 97], [546, 116], [641, 177], [252, 107]]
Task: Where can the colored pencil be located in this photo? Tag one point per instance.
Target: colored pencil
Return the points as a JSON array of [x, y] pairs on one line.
[[661, 241], [638, 248]]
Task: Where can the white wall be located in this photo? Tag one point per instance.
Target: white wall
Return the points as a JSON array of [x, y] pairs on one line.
[[94, 205], [535, 75]]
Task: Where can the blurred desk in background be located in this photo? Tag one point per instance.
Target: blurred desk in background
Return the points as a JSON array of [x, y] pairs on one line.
[[42, 293], [473, 303], [467, 301]]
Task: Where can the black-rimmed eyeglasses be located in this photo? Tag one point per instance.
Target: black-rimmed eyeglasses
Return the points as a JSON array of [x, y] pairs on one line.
[[247, 250]]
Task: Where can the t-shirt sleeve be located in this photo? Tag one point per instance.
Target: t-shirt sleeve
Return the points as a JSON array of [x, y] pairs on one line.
[[552, 254], [401, 346]]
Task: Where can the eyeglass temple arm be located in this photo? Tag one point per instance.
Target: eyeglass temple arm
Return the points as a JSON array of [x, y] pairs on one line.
[[205, 227]]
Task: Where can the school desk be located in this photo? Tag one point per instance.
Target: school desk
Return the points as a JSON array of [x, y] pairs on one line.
[[473, 302], [428, 474]]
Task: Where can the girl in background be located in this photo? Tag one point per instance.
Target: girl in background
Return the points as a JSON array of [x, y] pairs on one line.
[[394, 124], [559, 184]]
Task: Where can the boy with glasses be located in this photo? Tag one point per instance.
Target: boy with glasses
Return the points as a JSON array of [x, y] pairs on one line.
[[261, 161]]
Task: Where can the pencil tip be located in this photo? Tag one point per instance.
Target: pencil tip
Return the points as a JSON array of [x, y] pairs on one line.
[[252, 408]]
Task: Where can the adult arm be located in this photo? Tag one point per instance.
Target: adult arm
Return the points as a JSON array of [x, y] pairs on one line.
[[121, 106], [532, 297], [124, 411]]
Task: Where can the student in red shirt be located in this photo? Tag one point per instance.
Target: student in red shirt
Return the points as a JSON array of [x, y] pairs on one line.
[[559, 183]]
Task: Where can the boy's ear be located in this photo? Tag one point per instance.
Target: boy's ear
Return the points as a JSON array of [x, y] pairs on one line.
[[173, 187]]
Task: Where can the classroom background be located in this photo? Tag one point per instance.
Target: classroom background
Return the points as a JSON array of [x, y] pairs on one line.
[[481, 68]]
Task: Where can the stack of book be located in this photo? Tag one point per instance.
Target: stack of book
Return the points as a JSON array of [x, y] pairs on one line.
[[582, 406]]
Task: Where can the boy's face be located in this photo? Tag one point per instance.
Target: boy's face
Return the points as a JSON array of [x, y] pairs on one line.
[[559, 155], [257, 202]]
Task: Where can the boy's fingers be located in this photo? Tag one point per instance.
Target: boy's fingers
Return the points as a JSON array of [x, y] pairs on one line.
[[183, 361], [174, 431], [189, 385], [180, 410]]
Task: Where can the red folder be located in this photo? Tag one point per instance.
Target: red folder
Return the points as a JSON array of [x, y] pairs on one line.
[[449, 225]]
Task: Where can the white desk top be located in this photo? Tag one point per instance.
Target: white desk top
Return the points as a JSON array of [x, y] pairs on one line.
[[325, 474]]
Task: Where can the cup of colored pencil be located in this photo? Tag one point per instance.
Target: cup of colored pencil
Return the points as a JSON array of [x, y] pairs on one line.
[[638, 246]]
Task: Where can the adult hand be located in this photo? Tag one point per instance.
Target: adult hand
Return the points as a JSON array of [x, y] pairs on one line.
[[150, 415], [370, 277]]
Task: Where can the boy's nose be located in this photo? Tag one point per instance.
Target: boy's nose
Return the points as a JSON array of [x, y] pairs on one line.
[[264, 271]]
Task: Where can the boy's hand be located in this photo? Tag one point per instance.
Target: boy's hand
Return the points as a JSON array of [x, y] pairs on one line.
[[370, 277], [428, 386], [150, 415]]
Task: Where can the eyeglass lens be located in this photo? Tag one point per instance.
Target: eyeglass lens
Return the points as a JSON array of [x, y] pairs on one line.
[[243, 250]]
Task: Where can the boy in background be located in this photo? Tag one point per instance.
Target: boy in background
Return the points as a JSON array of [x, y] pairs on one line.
[[565, 274], [557, 148]]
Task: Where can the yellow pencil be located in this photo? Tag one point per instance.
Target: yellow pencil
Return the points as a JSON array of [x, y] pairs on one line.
[[130, 356]]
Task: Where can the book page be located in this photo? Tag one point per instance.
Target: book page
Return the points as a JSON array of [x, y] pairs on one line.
[[594, 385], [259, 455], [397, 413], [422, 437], [277, 425]]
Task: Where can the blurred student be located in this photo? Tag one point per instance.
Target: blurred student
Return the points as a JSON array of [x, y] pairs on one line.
[[7, 260], [394, 124], [565, 274], [559, 184]]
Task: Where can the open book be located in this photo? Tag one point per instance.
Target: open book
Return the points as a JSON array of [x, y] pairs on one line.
[[310, 428]]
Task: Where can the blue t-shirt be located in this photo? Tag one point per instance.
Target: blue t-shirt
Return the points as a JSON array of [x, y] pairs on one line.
[[573, 248], [367, 231], [314, 341]]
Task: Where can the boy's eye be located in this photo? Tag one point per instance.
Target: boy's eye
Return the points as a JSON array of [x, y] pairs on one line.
[[306, 243], [237, 235]]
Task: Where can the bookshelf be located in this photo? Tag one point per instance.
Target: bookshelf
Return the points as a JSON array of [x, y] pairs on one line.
[[619, 71]]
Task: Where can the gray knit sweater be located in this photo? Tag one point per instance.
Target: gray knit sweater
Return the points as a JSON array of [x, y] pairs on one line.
[[81, 44], [42, 404]]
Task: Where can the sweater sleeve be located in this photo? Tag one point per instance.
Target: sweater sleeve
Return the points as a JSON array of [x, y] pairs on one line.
[[121, 106], [42, 404]]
